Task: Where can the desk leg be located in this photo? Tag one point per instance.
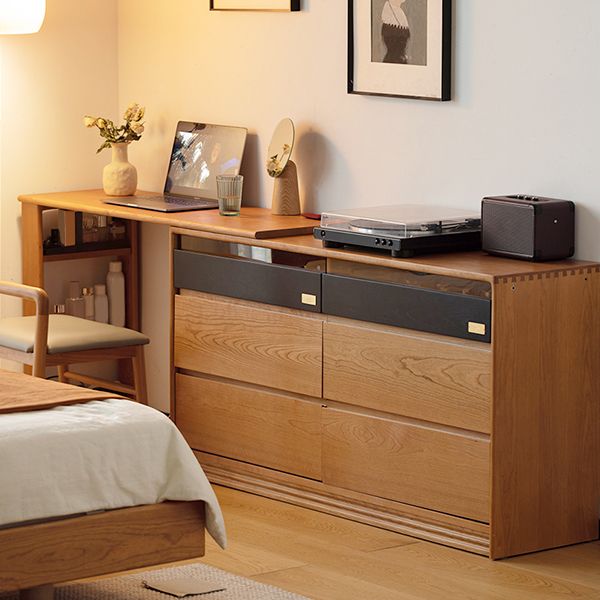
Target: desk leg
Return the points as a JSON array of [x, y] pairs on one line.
[[32, 244]]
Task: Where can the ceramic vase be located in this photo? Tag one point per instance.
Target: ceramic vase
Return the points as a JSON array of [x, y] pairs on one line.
[[119, 177]]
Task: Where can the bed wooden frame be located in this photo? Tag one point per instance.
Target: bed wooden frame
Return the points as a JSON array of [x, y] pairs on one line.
[[35, 557]]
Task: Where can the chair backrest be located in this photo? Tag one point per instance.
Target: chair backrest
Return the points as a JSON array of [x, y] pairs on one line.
[[40, 297]]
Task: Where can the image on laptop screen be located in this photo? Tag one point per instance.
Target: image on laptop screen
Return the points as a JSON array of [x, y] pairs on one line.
[[200, 153]]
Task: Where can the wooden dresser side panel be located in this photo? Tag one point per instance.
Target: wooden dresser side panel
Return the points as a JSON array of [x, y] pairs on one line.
[[251, 343], [546, 417], [416, 375]]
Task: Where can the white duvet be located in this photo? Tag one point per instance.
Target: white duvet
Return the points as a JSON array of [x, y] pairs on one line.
[[98, 455]]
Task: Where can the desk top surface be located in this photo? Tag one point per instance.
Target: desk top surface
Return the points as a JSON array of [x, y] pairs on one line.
[[253, 222], [294, 234]]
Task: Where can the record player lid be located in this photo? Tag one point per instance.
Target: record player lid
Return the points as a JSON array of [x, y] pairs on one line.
[[404, 220]]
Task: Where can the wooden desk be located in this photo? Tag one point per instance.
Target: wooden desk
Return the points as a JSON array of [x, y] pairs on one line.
[[492, 447], [256, 223]]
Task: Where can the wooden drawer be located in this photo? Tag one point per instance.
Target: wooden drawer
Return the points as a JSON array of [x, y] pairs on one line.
[[256, 345], [445, 313], [423, 466], [254, 426], [414, 375], [281, 285]]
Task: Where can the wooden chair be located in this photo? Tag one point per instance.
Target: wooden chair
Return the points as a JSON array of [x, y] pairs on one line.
[[47, 340]]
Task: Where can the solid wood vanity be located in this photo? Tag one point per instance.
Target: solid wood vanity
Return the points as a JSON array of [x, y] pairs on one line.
[[473, 424]]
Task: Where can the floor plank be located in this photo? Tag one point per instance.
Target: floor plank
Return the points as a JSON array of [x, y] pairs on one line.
[[580, 564], [246, 559], [328, 558], [305, 522]]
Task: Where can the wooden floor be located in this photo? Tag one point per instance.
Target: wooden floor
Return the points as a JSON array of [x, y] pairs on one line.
[[328, 558]]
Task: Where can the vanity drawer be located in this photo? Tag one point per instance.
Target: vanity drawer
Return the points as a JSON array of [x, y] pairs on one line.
[[254, 426], [416, 375], [256, 345], [293, 287], [418, 465], [434, 311]]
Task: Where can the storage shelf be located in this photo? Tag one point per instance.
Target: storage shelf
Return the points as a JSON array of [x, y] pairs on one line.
[[87, 251]]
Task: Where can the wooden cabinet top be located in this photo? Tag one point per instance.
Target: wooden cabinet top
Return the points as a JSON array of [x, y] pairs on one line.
[[294, 234], [474, 265]]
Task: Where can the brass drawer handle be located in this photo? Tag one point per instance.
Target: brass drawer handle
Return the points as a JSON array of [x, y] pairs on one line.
[[309, 299], [476, 328]]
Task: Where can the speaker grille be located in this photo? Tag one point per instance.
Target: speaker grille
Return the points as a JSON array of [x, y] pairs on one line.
[[508, 228]]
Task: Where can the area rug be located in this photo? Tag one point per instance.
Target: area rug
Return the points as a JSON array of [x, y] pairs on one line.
[[129, 587]]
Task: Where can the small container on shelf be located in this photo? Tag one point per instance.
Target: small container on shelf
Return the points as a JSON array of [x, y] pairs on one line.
[[115, 286], [100, 303], [89, 228], [88, 297], [75, 304], [117, 229], [102, 228]]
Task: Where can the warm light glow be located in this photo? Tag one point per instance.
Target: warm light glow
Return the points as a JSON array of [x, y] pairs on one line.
[[21, 16]]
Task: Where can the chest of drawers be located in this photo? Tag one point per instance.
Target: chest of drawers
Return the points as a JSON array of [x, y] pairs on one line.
[[453, 398]]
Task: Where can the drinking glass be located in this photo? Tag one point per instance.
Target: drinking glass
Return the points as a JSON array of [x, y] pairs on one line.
[[229, 193]]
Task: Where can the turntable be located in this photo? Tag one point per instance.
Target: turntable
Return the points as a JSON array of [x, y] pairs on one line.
[[404, 230]]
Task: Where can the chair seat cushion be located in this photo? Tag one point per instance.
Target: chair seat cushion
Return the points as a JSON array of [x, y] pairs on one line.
[[67, 334]]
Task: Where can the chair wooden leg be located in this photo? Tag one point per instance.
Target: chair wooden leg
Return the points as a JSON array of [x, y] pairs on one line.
[[62, 369], [139, 376]]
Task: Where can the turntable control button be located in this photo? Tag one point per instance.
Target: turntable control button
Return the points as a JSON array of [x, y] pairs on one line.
[[390, 243], [377, 242]]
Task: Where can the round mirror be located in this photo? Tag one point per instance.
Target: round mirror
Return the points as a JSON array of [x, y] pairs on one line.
[[280, 148]]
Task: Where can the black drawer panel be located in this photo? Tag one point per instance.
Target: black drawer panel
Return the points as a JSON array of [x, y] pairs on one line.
[[272, 284], [457, 315]]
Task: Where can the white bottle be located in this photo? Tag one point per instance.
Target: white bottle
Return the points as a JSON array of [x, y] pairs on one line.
[[75, 304], [115, 286], [100, 303], [88, 297]]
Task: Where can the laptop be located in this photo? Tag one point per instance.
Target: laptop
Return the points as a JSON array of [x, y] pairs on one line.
[[200, 153]]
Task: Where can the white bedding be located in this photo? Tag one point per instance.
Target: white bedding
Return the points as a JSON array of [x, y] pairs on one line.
[[98, 455]]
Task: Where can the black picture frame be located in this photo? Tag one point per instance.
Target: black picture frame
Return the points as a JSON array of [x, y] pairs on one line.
[[443, 79], [246, 5]]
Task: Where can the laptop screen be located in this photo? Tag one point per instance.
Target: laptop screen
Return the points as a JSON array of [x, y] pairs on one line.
[[200, 153]]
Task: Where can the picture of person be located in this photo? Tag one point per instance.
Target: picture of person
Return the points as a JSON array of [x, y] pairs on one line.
[[395, 32], [399, 31]]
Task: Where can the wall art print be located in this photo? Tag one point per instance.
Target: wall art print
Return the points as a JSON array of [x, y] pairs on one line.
[[400, 48]]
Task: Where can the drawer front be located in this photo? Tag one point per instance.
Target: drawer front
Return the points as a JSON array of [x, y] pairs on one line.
[[416, 465], [410, 375], [255, 345], [254, 426], [269, 284], [446, 313]]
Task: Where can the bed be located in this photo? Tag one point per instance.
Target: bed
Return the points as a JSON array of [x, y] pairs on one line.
[[91, 485]]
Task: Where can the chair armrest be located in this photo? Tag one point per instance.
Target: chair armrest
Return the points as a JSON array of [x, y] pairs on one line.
[[27, 292], [40, 297]]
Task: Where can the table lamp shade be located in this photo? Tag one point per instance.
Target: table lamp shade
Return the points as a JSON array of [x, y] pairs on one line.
[[21, 16]]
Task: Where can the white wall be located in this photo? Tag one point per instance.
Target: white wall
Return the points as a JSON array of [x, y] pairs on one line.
[[48, 81], [524, 116]]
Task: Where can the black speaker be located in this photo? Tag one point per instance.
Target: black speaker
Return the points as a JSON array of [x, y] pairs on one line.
[[528, 227]]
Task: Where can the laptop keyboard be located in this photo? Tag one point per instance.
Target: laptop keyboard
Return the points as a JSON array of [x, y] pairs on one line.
[[186, 201]]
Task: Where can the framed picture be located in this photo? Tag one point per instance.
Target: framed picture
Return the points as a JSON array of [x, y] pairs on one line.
[[400, 48], [276, 5]]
